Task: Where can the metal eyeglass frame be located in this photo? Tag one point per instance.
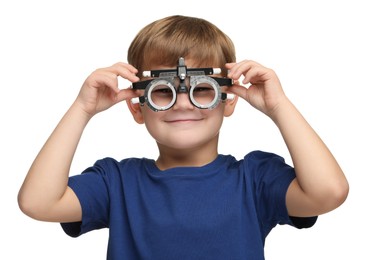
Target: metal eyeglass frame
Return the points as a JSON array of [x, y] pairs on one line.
[[167, 77]]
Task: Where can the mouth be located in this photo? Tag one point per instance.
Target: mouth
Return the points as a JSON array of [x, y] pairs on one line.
[[182, 120]]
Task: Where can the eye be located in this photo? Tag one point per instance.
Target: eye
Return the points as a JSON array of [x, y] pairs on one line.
[[203, 87], [162, 90]]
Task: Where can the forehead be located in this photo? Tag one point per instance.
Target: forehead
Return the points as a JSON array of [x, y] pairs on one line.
[[189, 63]]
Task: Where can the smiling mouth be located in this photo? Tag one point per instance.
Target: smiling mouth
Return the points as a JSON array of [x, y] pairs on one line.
[[183, 120]]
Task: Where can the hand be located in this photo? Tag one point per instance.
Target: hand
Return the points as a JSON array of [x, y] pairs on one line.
[[264, 92], [100, 90]]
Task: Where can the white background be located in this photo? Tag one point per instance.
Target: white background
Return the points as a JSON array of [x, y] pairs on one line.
[[319, 49]]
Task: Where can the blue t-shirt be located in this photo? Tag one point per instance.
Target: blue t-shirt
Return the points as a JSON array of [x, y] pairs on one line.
[[223, 210]]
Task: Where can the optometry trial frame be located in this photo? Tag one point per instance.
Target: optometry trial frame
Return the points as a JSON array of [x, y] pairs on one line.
[[204, 91]]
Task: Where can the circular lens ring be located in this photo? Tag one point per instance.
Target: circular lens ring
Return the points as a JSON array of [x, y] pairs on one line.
[[196, 80], [151, 104]]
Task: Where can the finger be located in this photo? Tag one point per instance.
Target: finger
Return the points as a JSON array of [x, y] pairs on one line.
[[258, 75], [109, 76], [126, 94], [253, 75], [247, 68], [105, 78], [229, 65], [243, 67], [126, 71], [239, 69], [238, 90]]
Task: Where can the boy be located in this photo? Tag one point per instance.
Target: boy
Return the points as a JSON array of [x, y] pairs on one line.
[[191, 202]]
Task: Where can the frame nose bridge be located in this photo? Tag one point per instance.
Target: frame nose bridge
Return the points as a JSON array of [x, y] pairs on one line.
[[182, 101], [184, 85]]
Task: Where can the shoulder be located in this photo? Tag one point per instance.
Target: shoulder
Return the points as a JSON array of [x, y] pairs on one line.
[[112, 164], [267, 167], [112, 169], [258, 160], [258, 155], [254, 160]]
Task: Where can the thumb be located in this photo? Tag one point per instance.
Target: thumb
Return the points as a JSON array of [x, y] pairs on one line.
[[125, 94]]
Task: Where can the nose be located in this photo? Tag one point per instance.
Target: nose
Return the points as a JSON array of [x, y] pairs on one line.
[[183, 102]]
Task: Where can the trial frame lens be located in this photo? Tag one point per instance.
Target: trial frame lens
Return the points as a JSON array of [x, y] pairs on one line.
[[160, 94]]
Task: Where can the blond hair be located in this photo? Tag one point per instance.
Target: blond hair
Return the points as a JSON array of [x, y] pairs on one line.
[[163, 42]]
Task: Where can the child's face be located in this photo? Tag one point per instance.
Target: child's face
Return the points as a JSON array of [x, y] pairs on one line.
[[185, 126]]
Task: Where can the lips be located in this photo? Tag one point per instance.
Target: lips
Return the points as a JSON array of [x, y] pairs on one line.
[[179, 120]]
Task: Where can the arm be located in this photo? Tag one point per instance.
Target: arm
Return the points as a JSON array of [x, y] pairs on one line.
[[44, 194], [320, 185]]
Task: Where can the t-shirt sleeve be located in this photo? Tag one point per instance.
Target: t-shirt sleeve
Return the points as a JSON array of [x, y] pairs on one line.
[[303, 222], [91, 188], [271, 177]]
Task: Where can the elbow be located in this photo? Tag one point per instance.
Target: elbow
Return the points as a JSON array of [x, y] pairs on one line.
[[28, 206], [338, 194], [343, 193], [25, 205]]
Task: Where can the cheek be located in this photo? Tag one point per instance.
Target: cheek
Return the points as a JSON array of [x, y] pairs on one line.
[[148, 115], [151, 120], [218, 111], [215, 116]]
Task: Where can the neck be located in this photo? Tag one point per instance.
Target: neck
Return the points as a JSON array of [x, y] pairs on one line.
[[198, 156]]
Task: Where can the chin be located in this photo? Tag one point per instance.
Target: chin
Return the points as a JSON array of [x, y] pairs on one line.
[[187, 142], [179, 144]]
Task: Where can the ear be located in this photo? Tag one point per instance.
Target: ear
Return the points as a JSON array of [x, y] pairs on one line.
[[136, 112], [230, 104]]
